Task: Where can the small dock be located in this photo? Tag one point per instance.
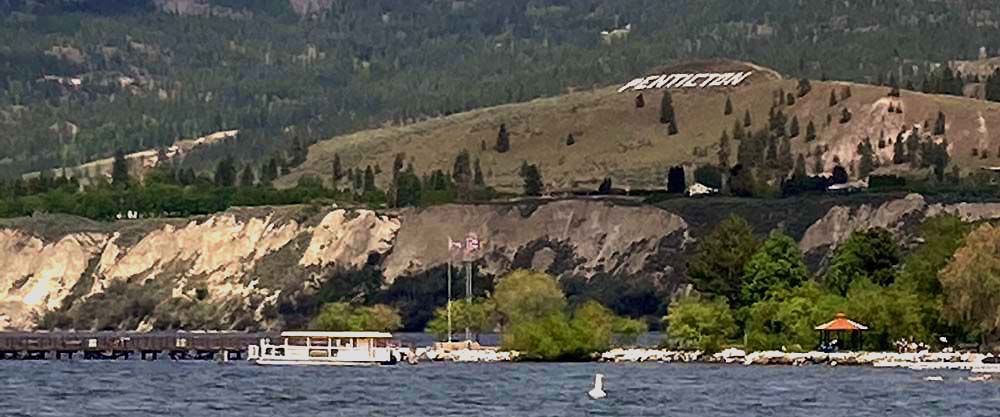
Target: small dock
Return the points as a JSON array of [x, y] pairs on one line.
[[205, 346]]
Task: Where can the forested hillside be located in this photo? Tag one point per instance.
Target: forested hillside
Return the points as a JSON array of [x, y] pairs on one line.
[[80, 79]]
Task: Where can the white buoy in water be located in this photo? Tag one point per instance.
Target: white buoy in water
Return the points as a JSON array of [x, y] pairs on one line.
[[934, 378], [598, 391]]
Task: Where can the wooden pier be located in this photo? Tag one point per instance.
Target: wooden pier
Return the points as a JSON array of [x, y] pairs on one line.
[[224, 346]]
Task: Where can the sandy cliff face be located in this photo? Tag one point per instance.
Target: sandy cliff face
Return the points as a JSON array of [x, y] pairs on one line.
[[216, 259], [256, 268]]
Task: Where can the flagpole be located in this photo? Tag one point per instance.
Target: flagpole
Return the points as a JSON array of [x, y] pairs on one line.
[[449, 293], [468, 296]]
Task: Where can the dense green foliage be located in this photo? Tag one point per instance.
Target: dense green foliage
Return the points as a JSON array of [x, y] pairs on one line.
[[479, 316], [695, 323], [931, 292], [149, 77], [345, 317], [536, 322], [719, 260]]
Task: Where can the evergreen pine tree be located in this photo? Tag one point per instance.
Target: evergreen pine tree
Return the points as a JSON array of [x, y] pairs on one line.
[[503, 139], [724, 150], [667, 115], [939, 125], [357, 180], [532, 178], [478, 179], [867, 162], [270, 171], [369, 179], [738, 133], [746, 119], [248, 178], [729, 106], [847, 93], [785, 161], [119, 170], [845, 116], [804, 87], [833, 98], [793, 129], [338, 170], [790, 99], [810, 132], [225, 173], [570, 140], [605, 187], [800, 167]]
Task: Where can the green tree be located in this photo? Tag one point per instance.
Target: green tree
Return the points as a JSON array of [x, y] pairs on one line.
[[376, 318], [503, 139], [667, 114], [532, 177], [338, 170], [119, 170], [746, 119], [480, 316], [939, 124], [785, 319], [333, 317], [478, 179], [695, 323], [738, 133], [891, 314], [871, 253], [225, 173], [729, 107], [810, 132], [971, 284], [342, 316], [776, 264], [408, 188], [720, 258], [248, 178], [833, 98], [804, 87], [867, 162], [270, 171], [724, 150], [941, 236], [793, 129], [369, 180], [525, 295]]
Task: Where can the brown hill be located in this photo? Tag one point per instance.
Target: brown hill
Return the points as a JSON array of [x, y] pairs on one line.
[[614, 138]]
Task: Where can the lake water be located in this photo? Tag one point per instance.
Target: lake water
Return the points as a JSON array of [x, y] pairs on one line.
[[164, 388]]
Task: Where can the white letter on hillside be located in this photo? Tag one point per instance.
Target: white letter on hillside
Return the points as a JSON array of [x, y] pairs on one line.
[[662, 81], [739, 78], [679, 80], [645, 82], [722, 80], [630, 84], [693, 82]]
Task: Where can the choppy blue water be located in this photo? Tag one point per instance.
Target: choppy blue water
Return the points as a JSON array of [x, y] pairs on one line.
[[166, 388]]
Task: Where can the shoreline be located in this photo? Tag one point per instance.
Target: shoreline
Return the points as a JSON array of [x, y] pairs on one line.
[[924, 360]]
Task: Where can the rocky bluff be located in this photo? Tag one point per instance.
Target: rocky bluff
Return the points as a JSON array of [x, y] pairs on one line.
[[268, 268]]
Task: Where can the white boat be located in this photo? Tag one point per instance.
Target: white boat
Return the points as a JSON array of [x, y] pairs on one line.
[[325, 348]]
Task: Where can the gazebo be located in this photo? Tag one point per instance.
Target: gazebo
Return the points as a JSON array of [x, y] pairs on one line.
[[839, 326]]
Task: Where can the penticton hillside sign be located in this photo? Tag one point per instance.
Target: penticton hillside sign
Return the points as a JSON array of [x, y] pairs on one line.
[[697, 80]]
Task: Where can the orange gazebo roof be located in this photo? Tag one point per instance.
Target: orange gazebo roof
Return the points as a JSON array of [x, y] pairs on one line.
[[841, 322]]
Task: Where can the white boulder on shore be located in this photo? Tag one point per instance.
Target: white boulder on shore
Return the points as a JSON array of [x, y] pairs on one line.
[[921, 360]]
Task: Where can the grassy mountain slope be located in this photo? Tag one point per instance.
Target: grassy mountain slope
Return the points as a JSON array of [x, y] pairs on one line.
[[614, 138]]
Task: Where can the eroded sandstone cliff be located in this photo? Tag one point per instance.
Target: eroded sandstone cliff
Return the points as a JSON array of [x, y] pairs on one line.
[[267, 268]]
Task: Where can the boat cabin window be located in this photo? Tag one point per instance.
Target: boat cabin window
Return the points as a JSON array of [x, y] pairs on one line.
[[319, 341], [296, 341], [319, 353]]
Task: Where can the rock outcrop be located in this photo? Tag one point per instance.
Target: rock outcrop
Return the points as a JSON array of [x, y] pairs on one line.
[[265, 268]]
